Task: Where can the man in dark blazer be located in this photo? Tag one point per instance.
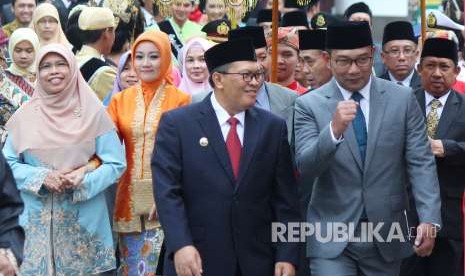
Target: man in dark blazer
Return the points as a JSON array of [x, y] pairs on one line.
[[358, 139], [399, 54], [11, 234], [273, 97], [444, 111], [223, 174]]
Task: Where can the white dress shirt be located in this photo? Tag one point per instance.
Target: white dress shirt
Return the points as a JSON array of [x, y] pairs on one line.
[[405, 82], [223, 116], [364, 105], [429, 99]]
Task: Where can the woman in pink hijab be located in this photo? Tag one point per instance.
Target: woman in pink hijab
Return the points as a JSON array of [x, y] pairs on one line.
[[194, 69], [51, 139]]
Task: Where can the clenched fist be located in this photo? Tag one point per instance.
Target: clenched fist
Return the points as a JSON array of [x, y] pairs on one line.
[[344, 114]]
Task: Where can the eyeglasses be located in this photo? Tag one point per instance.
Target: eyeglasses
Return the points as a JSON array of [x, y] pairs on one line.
[[47, 20], [48, 66], [347, 62], [258, 76], [396, 52]]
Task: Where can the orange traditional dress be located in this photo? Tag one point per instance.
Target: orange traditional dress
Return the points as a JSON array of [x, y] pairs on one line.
[[136, 112]]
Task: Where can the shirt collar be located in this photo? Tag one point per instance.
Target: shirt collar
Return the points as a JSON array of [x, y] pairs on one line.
[[221, 113], [365, 91], [429, 98], [90, 51], [405, 82]]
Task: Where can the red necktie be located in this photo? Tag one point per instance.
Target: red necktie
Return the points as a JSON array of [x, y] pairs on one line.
[[234, 146]]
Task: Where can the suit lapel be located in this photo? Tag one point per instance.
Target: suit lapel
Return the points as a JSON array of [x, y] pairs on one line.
[[349, 135], [211, 127], [449, 112], [251, 137], [415, 82], [377, 108], [420, 94]]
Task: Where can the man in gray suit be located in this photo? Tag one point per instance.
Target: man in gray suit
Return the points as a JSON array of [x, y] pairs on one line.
[[272, 97], [359, 139]]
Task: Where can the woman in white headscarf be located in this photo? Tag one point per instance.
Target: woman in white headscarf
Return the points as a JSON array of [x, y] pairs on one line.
[[22, 48], [46, 24], [194, 69]]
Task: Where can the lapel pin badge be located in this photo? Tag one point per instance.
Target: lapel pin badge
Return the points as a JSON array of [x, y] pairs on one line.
[[203, 141]]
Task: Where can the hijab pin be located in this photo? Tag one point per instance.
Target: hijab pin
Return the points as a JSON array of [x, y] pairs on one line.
[[77, 112]]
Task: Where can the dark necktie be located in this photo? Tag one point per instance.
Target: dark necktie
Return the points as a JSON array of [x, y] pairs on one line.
[[400, 83], [360, 127], [234, 146]]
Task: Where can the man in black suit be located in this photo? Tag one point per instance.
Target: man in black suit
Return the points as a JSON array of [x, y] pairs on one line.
[[444, 110], [11, 234], [223, 174], [399, 54]]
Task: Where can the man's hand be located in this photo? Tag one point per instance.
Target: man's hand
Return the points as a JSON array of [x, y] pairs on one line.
[[187, 262], [6, 267], [284, 269], [437, 147], [424, 242], [345, 113]]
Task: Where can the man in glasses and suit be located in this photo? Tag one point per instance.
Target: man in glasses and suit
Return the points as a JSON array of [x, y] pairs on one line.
[[224, 174], [358, 140]]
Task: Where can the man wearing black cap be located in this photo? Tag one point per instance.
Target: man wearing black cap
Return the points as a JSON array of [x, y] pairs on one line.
[[443, 109], [357, 139], [265, 19], [314, 56], [295, 19], [361, 12], [224, 174], [400, 54], [272, 97]]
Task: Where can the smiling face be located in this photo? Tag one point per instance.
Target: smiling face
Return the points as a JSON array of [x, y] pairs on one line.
[[215, 9], [23, 54], [181, 10], [147, 61], [23, 10], [54, 73], [128, 75], [196, 67], [232, 91]]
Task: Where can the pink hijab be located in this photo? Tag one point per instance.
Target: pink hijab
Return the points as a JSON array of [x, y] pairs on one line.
[[187, 85], [60, 129]]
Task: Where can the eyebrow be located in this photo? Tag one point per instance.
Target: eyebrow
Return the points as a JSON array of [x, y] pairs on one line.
[[152, 52]]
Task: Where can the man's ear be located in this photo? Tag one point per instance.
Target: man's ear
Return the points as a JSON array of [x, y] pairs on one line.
[[217, 79]]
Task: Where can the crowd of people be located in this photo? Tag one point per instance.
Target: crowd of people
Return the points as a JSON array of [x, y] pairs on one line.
[[145, 138]]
